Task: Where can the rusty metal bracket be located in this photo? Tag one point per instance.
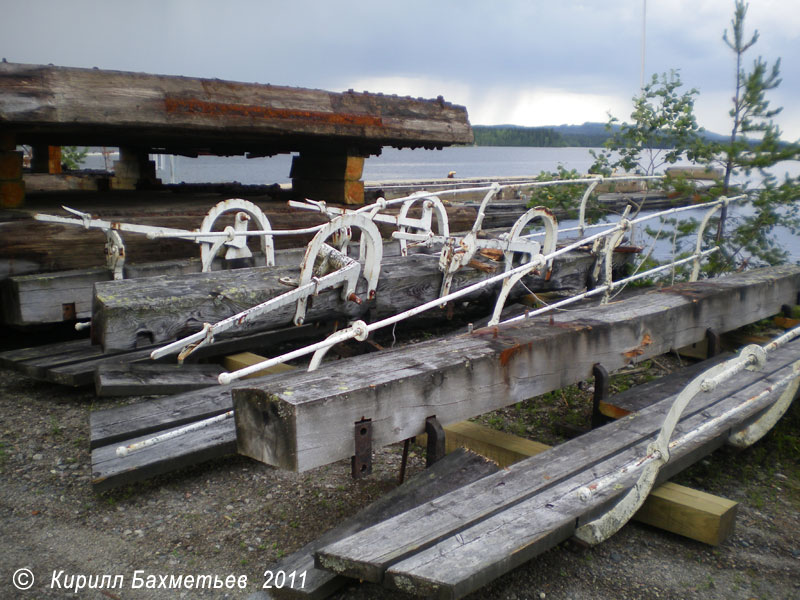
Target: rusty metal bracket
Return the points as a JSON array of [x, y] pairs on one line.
[[404, 461], [601, 379], [361, 463], [436, 446]]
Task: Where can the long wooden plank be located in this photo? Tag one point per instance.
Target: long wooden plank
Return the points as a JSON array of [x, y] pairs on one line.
[[16, 358], [481, 531], [115, 425], [672, 507], [183, 451], [163, 308], [154, 379], [475, 556], [457, 469], [74, 363], [311, 414]]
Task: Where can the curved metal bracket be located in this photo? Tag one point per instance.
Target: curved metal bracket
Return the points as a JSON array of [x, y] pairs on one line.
[[550, 235], [237, 244], [115, 253], [494, 189], [372, 248], [612, 521], [357, 330], [430, 205], [608, 258], [699, 244], [584, 201], [757, 429], [509, 283]]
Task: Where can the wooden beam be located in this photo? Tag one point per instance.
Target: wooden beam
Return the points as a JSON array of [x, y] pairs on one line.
[[241, 360], [499, 447], [46, 159], [691, 513], [311, 414], [12, 186], [179, 305], [146, 379], [471, 536], [94, 107]]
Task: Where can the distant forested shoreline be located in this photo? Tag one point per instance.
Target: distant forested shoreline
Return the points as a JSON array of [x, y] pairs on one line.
[[588, 135]]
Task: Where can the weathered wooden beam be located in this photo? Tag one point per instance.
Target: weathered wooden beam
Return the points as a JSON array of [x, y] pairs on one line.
[[310, 415], [94, 107], [156, 379], [483, 530], [672, 507], [121, 423], [241, 360], [12, 186], [46, 159], [74, 363], [108, 471], [691, 513], [163, 308]]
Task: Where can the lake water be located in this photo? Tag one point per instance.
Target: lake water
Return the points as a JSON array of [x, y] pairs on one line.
[[393, 164]]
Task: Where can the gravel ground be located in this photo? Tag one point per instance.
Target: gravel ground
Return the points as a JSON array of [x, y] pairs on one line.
[[237, 517]]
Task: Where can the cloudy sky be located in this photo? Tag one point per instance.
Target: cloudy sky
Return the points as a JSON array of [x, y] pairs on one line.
[[526, 62]]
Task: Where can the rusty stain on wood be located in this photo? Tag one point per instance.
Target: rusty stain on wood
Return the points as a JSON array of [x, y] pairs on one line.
[[509, 353], [639, 350], [222, 109]]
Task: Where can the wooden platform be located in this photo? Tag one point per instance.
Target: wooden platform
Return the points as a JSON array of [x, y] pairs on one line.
[[111, 428], [453, 546]]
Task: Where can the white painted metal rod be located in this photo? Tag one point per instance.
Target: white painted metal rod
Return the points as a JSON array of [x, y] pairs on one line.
[[125, 450], [600, 289]]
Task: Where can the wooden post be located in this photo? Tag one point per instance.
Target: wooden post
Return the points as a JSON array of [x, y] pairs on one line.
[[133, 170], [46, 159], [329, 177], [12, 187]]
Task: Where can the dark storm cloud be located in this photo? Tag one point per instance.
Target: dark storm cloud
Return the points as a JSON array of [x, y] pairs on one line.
[[477, 52]]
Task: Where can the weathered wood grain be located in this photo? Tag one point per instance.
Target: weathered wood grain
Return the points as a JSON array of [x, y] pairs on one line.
[[118, 424], [163, 308], [457, 469], [467, 538], [93, 107], [672, 507], [154, 379], [40, 298], [492, 367], [183, 451]]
